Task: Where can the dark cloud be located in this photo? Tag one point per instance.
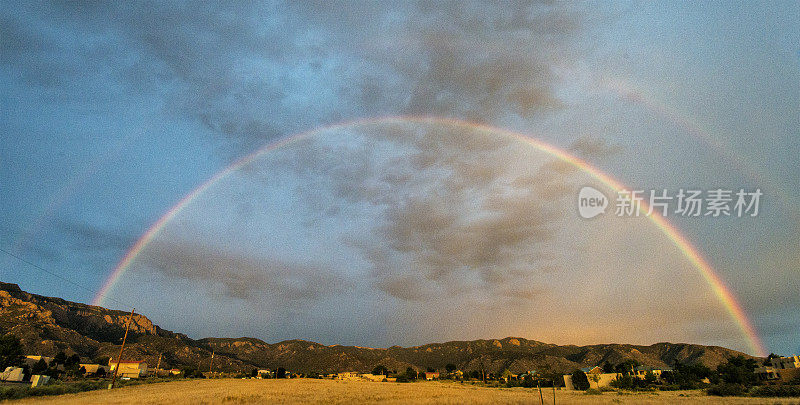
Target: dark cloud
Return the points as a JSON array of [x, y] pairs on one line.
[[589, 147], [451, 214], [241, 275], [252, 73], [88, 236]]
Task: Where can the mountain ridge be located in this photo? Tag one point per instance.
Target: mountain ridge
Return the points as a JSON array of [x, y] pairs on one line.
[[47, 325]]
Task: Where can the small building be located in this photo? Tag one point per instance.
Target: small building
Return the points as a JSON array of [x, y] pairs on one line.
[[261, 374], [38, 380], [597, 378], [780, 369], [12, 374], [129, 369], [347, 376], [30, 360], [640, 372], [374, 377], [94, 369], [431, 375]]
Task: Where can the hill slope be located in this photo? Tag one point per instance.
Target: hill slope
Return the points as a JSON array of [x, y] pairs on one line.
[[47, 325]]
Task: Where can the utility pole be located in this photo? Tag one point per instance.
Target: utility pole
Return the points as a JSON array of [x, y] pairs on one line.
[[159, 363], [119, 358], [539, 386], [554, 392], [211, 363]]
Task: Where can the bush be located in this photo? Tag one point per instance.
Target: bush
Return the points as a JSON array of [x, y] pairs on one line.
[[580, 381], [53, 389], [593, 391], [738, 370], [10, 351], [776, 391], [727, 390], [623, 382]]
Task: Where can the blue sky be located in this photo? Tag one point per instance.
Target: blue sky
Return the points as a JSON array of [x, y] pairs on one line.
[[110, 114]]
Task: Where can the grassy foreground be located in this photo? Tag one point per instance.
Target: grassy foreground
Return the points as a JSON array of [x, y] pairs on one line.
[[310, 391]]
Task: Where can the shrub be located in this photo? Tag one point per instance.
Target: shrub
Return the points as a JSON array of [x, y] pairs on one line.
[[776, 391], [579, 380], [726, 390], [593, 391]]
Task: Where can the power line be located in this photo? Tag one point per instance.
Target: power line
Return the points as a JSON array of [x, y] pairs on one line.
[[62, 278]]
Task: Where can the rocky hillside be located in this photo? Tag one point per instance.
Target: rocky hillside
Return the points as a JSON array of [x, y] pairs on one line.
[[47, 325]]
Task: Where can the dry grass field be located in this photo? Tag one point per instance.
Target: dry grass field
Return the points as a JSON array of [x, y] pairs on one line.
[[309, 391]]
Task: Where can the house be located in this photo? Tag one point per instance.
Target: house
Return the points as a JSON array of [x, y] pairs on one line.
[[264, 374], [31, 360], [597, 378], [12, 374], [129, 369], [374, 377], [431, 375], [39, 380], [780, 369], [94, 369], [640, 372], [592, 370], [347, 376]]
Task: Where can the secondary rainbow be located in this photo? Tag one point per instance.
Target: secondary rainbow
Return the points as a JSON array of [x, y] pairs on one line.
[[717, 284]]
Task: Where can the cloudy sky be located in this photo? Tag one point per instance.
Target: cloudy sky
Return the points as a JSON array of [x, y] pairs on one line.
[[403, 231]]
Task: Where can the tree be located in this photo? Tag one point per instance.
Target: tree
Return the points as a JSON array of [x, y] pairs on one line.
[[101, 360], [608, 367], [579, 380], [411, 374], [380, 369], [72, 360], [689, 376], [60, 358], [254, 373], [191, 372], [626, 367], [10, 351], [528, 382], [738, 370], [450, 367], [623, 382], [650, 377], [281, 373], [39, 367]]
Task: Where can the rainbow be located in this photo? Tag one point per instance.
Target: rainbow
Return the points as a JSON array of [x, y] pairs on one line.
[[717, 284], [630, 92]]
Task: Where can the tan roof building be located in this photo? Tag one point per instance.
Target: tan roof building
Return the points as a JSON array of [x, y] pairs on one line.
[[784, 369], [129, 369], [94, 368]]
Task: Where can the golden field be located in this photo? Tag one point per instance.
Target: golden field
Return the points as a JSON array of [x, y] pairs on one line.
[[311, 391]]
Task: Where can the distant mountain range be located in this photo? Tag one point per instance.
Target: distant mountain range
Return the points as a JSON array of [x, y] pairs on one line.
[[48, 325]]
